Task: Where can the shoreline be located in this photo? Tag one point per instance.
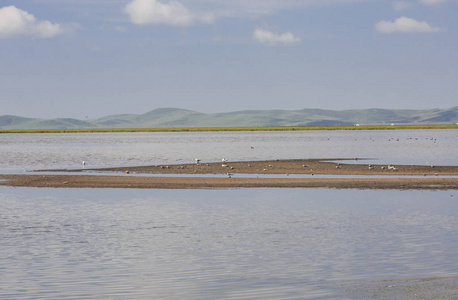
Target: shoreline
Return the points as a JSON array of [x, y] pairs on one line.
[[401, 126], [292, 166], [326, 166], [98, 181]]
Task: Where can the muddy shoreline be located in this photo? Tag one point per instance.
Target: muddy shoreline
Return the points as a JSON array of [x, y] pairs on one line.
[[290, 166], [430, 176], [95, 181]]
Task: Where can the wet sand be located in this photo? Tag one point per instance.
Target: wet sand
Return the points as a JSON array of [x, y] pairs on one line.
[[296, 166], [291, 166], [94, 181]]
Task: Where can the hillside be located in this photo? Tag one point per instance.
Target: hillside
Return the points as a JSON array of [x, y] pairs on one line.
[[173, 117]]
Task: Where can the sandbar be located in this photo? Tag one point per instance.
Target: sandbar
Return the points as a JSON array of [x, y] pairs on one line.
[[428, 177]]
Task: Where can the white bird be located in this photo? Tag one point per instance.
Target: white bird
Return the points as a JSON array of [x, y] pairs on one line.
[[83, 162], [197, 160], [224, 160]]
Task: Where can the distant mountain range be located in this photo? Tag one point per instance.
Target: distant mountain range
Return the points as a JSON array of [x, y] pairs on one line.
[[174, 117]]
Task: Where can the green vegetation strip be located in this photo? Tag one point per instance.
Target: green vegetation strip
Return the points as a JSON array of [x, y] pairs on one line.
[[200, 129]]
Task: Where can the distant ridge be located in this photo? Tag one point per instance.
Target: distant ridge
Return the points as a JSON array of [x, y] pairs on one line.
[[175, 117]]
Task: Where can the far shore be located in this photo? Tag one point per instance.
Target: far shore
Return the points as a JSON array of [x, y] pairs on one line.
[[429, 177], [260, 128]]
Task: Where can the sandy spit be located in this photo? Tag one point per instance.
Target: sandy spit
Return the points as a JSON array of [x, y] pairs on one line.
[[296, 166]]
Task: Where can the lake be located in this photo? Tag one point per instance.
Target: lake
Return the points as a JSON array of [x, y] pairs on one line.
[[226, 243], [21, 152]]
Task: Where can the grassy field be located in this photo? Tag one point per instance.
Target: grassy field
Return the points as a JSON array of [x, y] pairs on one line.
[[202, 129]]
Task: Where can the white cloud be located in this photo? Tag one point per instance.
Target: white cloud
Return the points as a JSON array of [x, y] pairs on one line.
[[15, 22], [401, 5], [405, 25], [271, 38], [431, 2], [189, 12], [174, 13]]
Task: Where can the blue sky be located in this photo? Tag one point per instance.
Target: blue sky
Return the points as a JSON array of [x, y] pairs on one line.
[[90, 58]]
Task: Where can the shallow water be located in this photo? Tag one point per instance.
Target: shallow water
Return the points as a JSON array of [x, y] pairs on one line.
[[225, 244], [21, 152]]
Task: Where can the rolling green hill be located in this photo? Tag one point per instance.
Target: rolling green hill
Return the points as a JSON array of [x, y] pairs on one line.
[[15, 122], [173, 117]]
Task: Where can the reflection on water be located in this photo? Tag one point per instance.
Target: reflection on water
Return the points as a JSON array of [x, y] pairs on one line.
[[226, 244]]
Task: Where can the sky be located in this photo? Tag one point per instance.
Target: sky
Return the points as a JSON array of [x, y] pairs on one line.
[[92, 58]]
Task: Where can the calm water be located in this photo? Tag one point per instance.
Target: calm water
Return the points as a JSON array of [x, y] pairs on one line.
[[220, 244], [225, 243], [21, 152]]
